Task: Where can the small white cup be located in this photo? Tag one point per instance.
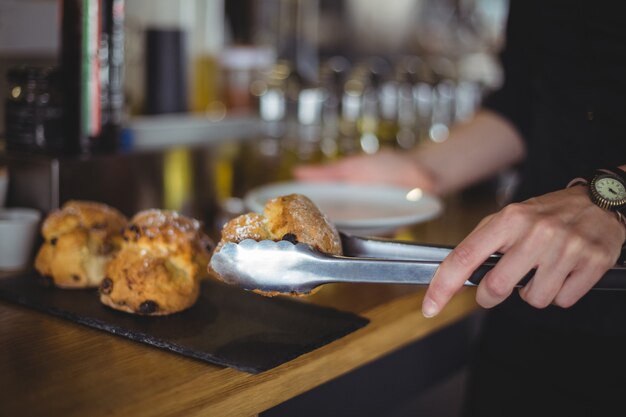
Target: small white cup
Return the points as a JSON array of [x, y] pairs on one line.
[[18, 231]]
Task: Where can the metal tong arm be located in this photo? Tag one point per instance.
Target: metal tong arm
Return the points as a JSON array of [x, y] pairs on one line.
[[365, 247], [375, 270], [372, 270], [613, 279]]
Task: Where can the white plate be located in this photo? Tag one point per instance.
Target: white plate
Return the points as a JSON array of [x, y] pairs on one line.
[[357, 209]]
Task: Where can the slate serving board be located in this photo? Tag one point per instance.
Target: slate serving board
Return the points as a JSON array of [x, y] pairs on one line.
[[227, 326]]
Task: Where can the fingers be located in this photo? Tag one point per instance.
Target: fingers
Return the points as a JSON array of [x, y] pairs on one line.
[[581, 280], [563, 286], [330, 172], [562, 236], [455, 270], [500, 282], [386, 167], [554, 268], [543, 246], [546, 283], [354, 169]]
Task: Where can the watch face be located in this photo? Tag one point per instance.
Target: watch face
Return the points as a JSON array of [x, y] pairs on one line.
[[610, 189]]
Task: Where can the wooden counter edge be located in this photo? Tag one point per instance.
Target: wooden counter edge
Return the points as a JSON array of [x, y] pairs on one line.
[[392, 326]]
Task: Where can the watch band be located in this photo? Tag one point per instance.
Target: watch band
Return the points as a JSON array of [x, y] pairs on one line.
[[617, 171], [577, 181]]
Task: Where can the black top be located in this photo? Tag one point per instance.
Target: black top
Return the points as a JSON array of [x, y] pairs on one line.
[[565, 91]]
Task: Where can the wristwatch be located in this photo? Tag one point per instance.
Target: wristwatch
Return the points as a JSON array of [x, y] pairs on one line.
[[607, 190]]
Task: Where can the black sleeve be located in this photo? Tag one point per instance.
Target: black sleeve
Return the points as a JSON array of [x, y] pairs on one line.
[[513, 99]]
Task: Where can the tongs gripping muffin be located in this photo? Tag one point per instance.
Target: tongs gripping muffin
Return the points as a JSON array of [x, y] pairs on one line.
[[292, 217]]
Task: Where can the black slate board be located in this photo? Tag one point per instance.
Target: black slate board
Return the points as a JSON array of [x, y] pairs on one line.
[[227, 326]]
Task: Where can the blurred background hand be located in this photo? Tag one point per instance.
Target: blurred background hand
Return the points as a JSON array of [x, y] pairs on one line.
[[387, 167]]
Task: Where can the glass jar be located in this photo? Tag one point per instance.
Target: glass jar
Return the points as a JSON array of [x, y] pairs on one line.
[[34, 112]]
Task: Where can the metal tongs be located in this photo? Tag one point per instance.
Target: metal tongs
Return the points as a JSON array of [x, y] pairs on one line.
[[284, 267]]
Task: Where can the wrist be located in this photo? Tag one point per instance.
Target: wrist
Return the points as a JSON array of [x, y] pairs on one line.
[[606, 189]]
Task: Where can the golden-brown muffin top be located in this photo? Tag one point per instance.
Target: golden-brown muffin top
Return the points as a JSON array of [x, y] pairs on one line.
[[296, 214], [76, 214], [293, 217], [166, 226], [246, 226]]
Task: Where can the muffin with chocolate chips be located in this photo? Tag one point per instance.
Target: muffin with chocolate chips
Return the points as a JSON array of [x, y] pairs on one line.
[[80, 239], [158, 269], [292, 217]]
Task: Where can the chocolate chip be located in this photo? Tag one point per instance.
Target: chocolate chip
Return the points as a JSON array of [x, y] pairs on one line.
[[148, 307], [134, 228], [290, 237], [75, 277], [53, 241], [106, 286], [99, 226]]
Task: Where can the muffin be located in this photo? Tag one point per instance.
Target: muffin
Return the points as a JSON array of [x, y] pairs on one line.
[[80, 239], [158, 269], [293, 217]]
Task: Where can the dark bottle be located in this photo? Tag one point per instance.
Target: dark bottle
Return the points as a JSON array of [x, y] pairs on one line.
[[91, 68], [33, 110]]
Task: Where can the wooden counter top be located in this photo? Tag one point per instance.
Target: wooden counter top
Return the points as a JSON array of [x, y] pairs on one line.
[[51, 367]]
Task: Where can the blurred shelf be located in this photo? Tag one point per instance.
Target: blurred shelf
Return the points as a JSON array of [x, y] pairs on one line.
[[174, 130]]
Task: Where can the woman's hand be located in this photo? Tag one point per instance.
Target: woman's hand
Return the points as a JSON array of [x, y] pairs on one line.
[[385, 167], [570, 241]]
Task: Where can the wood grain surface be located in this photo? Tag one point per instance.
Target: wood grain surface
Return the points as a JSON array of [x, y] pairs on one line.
[[51, 367]]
